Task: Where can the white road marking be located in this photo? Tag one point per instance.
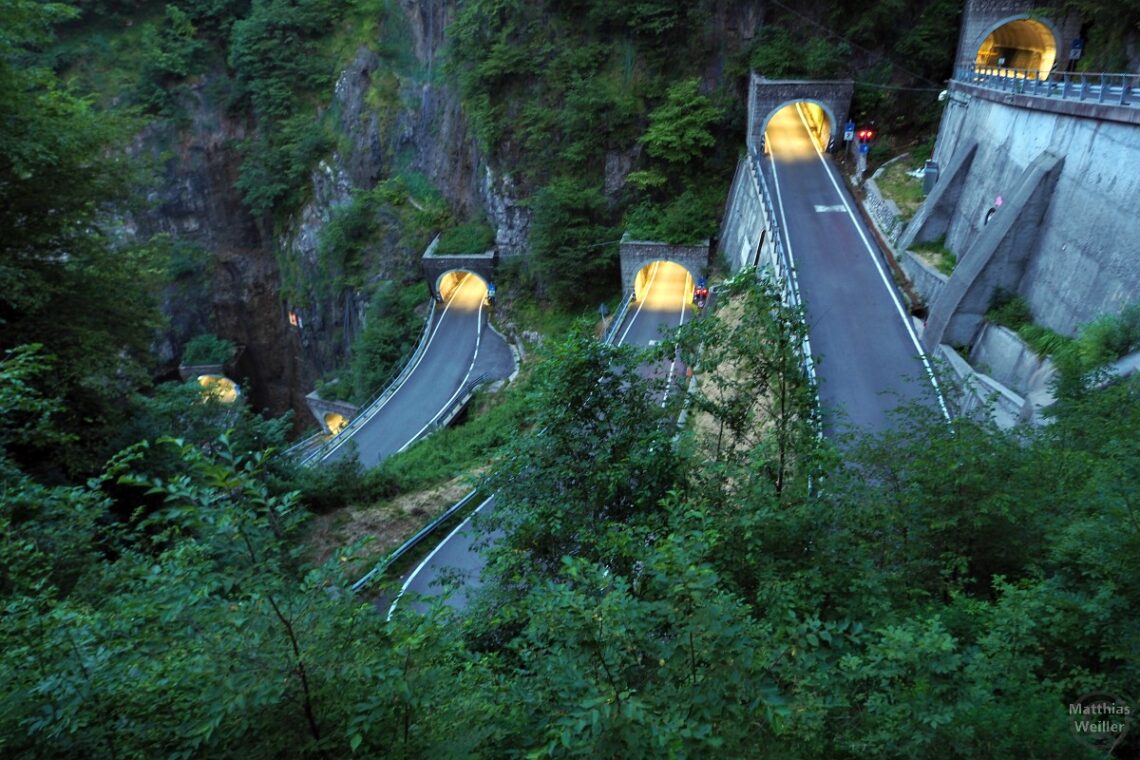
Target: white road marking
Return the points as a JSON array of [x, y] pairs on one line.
[[879, 267], [828, 209], [644, 298], [474, 357], [684, 308], [428, 558], [411, 372]]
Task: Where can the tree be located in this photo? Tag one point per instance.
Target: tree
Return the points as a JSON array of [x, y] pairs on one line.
[[572, 241], [65, 282]]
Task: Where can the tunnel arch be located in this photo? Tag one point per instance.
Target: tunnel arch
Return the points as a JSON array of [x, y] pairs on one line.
[[1019, 42], [335, 422], [646, 273], [450, 279], [825, 125]]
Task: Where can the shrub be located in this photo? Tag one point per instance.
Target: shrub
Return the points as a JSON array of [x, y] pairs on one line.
[[472, 237], [207, 349]]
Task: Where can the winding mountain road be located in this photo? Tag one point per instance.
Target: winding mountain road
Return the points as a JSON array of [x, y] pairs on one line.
[[456, 563], [870, 358], [434, 382]]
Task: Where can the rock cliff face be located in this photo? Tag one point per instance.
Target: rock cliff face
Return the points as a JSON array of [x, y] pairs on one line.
[[236, 294]]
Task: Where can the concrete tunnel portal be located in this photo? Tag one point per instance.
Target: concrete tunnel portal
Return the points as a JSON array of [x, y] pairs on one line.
[[1019, 43]]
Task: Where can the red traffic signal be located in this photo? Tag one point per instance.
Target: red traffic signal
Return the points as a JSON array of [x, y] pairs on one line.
[[866, 135]]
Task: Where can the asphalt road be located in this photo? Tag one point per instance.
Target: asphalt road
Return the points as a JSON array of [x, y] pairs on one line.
[[442, 371], [870, 359], [455, 564]]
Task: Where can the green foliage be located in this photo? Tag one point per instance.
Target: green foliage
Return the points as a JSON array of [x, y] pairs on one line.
[[64, 284], [277, 61], [942, 258], [208, 349], [679, 129], [571, 240], [472, 237], [171, 53], [492, 422], [1009, 310], [388, 338], [692, 217], [780, 53], [1110, 337]]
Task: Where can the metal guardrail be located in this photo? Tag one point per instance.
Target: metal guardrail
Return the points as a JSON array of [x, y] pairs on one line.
[[611, 332], [369, 409], [786, 274], [302, 445], [411, 543], [431, 527], [449, 412], [1083, 87]]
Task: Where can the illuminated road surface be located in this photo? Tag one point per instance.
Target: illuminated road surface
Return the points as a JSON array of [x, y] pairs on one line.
[[442, 371], [665, 305], [870, 357]]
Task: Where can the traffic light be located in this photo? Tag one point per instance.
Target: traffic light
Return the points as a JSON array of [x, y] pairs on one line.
[[866, 135]]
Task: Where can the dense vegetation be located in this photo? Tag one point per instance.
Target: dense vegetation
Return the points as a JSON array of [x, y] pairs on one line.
[[946, 590], [573, 95]]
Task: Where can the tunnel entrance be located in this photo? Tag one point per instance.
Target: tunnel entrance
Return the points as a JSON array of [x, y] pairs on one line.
[[658, 272], [451, 280], [219, 387], [788, 123], [1026, 44], [335, 422]]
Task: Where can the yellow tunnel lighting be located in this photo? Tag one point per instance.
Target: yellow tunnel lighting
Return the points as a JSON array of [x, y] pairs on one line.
[[219, 387], [1022, 44], [335, 422]]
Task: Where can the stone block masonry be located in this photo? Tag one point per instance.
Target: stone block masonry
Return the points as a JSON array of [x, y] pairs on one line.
[[636, 254]]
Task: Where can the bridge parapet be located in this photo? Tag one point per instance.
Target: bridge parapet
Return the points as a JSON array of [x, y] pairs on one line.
[[1107, 97]]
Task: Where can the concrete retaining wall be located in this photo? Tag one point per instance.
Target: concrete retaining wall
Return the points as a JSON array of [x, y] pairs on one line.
[[927, 281], [884, 213], [1005, 357], [744, 231], [1085, 258]]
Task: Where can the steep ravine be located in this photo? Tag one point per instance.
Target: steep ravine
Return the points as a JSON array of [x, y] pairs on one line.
[[241, 297]]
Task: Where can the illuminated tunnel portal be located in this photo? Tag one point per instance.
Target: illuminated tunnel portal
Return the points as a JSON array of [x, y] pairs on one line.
[[786, 127], [663, 280], [1020, 44], [449, 282]]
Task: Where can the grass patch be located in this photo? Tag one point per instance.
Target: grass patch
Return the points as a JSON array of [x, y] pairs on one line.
[[906, 191], [472, 237], [936, 254]]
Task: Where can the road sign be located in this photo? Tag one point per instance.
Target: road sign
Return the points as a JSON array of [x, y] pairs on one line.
[[864, 148], [491, 290], [849, 131]]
